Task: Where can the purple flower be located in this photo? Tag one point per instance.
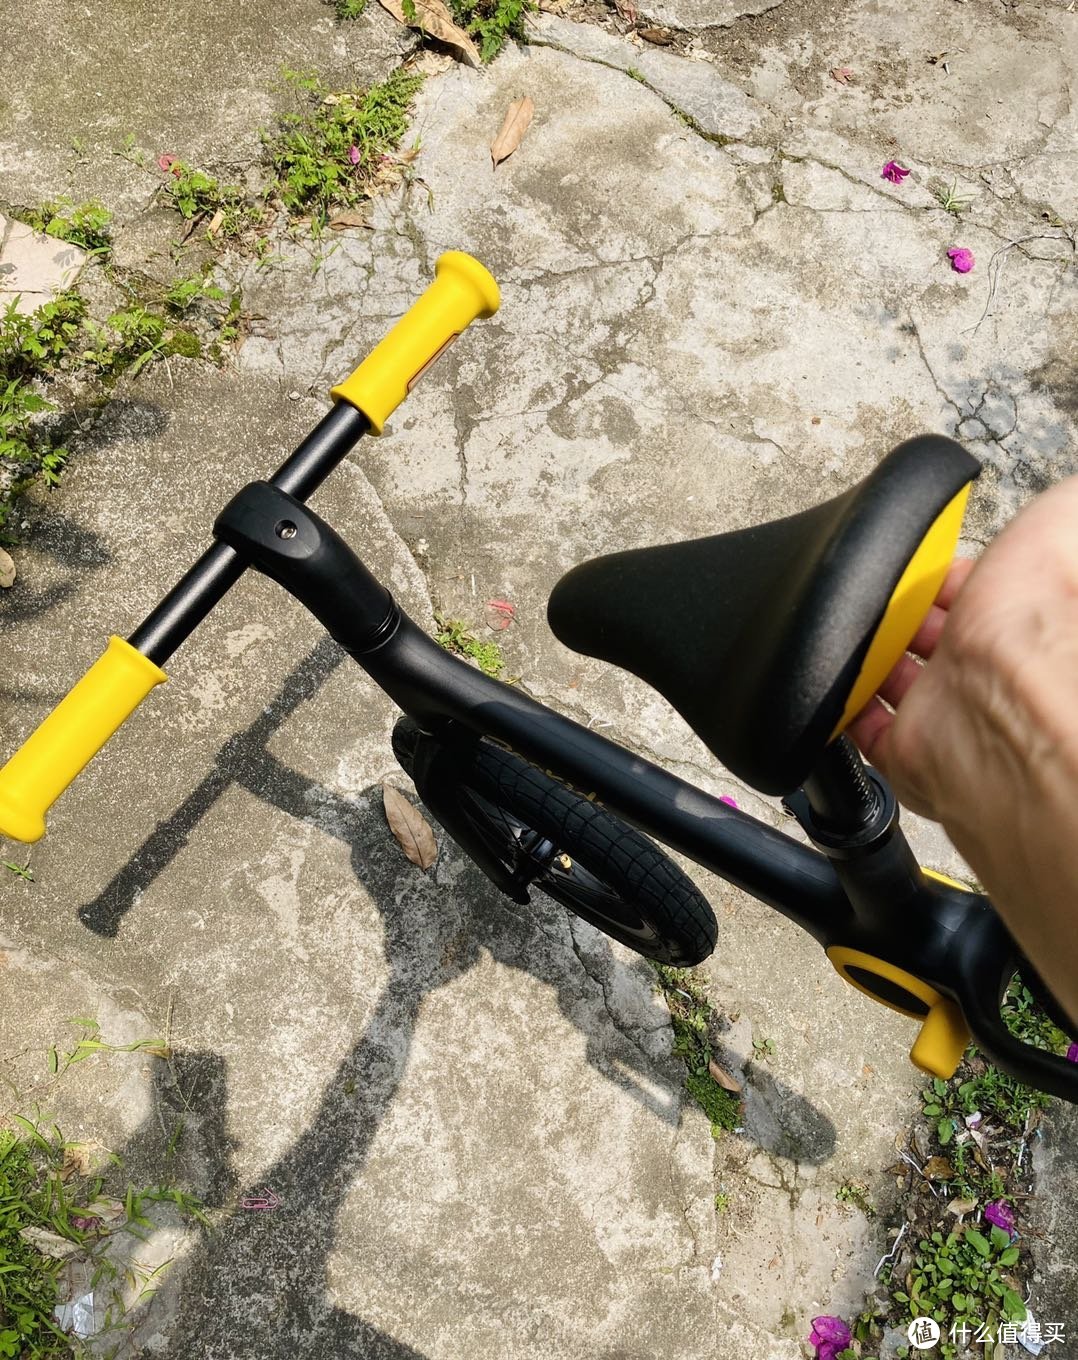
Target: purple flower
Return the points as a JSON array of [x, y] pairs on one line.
[[894, 172], [962, 260], [1002, 1215], [829, 1335], [353, 154], [1072, 1053]]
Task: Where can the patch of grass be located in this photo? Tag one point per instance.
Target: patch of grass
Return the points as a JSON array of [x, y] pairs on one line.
[[349, 9], [492, 22], [454, 635], [90, 1043], [86, 225], [634, 74], [691, 1015], [20, 870], [950, 200], [965, 1279], [337, 150]]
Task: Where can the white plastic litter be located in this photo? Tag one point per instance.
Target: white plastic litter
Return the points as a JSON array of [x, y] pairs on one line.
[[81, 1314], [1030, 1324]]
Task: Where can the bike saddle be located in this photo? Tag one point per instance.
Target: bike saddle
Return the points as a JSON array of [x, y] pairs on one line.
[[769, 640]]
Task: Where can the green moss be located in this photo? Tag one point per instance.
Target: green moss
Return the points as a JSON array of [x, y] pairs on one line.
[[722, 1107], [692, 1018], [185, 344]]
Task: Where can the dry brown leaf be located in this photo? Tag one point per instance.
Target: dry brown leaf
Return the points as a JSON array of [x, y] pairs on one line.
[[843, 74], [433, 17], [961, 1207], [410, 827], [725, 1080], [76, 1161], [49, 1243], [938, 1169], [351, 217], [7, 570], [515, 124], [215, 222], [658, 36], [626, 9]]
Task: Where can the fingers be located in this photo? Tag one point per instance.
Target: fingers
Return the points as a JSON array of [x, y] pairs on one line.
[[956, 579], [869, 730], [895, 688], [927, 637]]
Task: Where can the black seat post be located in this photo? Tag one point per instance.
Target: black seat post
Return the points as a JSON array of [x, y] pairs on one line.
[[842, 797]]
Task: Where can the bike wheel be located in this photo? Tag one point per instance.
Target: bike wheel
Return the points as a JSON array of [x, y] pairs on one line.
[[579, 854]]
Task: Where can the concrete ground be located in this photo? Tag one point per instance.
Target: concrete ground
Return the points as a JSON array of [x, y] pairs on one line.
[[714, 311]]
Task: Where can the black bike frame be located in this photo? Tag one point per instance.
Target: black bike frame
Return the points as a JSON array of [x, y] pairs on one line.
[[858, 886]]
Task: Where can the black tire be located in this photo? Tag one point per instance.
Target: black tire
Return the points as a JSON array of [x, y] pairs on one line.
[[589, 861]]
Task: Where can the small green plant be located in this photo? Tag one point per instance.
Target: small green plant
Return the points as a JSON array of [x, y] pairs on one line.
[[184, 293], [491, 22], [129, 150], [763, 1049], [85, 224], [634, 74], [91, 1043], [691, 1017], [950, 200], [196, 195], [349, 9], [334, 152], [722, 1202], [455, 636], [20, 870], [856, 1193]]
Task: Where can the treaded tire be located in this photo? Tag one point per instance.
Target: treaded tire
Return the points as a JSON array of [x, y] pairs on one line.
[[617, 879]]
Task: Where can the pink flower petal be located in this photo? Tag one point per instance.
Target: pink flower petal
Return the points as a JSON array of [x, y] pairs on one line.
[[829, 1335], [894, 172], [1072, 1053], [962, 260], [353, 154], [167, 161], [1001, 1214]]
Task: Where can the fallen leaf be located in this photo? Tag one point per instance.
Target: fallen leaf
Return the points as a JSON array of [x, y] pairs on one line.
[[7, 570], [514, 125], [410, 827], [215, 222], [351, 217], [626, 9], [49, 1243], [76, 1161], [961, 1207], [938, 1169], [725, 1080], [434, 19], [658, 36], [843, 74]]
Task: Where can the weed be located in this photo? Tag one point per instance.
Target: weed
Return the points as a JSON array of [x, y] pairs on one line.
[[129, 150], [349, 9], [491, 22], [963, 1279], [85, 224], [337, 149], [195, 195], [184, 293], [722, 1202], [856, 1193], [691, 1015], [20, 870], [90, 1043], [950, 200], [454, 636], [763, 1049], [634, 74]]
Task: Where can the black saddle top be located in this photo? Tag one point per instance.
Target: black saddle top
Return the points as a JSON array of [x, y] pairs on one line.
[[757, 636]]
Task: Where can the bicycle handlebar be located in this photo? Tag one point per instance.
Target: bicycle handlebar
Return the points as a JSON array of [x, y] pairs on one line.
[[121, 678]]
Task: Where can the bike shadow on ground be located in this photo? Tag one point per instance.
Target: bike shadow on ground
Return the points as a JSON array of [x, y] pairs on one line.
[[257, 1284]]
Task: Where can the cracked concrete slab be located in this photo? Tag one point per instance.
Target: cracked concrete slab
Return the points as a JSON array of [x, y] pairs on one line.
[[33, 266], [470, 1111]]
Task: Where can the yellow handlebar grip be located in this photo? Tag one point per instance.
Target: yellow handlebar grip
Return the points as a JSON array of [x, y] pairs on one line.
[[462, 291], [74, 731]]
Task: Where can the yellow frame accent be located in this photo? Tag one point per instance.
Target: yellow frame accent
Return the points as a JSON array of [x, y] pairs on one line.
[[908, 606], [944, 1035]]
